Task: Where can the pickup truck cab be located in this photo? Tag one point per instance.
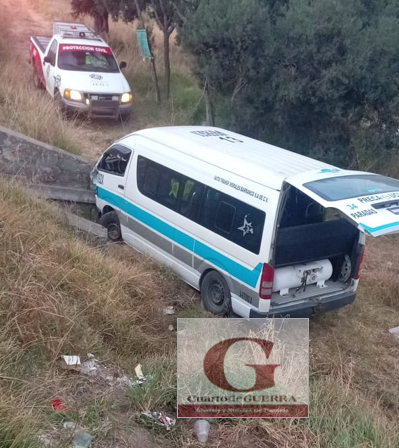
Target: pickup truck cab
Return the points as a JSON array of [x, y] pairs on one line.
[[79, 70]]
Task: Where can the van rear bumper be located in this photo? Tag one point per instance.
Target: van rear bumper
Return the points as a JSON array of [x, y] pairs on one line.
[[308, 308]]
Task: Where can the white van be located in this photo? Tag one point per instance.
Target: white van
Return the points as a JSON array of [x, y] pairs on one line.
[[259, 230]]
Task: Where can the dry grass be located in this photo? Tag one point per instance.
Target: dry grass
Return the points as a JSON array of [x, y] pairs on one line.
[[29, 110], [61, 296]]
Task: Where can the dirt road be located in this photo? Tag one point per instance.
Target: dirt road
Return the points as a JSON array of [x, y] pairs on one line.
[[28, 17]]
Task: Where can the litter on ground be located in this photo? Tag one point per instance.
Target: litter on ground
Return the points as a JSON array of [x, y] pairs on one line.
[[58, 406], [395, 332], [169, 310], [82, 439], [70, 363], [160, 418]]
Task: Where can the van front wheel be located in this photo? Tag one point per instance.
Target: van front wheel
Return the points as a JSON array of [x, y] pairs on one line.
[[215, 294], [110, 221]]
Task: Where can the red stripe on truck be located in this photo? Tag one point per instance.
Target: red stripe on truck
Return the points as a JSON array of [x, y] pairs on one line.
[[36, 60], [105, 50]]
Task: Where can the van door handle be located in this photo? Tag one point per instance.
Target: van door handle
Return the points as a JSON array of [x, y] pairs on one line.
[[121, 187]]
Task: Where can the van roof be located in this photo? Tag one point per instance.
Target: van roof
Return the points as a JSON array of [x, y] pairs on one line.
[[249, 158]]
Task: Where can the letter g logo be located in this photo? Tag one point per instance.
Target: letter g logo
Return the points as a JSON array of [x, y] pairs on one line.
[[214, 366]]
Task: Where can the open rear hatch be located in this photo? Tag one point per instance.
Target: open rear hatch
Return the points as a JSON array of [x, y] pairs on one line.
[[368, 201], [318, 247]]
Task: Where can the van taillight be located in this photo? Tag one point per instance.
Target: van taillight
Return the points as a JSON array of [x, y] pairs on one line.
[[359, 265], [266, 282]]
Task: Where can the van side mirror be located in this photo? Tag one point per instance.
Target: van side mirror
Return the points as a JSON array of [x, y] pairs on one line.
[[48, 60], [122, 65]]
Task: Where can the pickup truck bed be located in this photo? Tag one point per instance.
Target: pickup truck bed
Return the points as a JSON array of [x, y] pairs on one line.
[[41, 42]]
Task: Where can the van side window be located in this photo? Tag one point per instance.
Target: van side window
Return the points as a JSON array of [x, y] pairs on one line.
[[115, 160], [191, 198], [225, 217], [158, 182], [233, 219], [230, 218]]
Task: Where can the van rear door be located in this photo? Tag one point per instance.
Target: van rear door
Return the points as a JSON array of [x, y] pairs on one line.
[[369, 201]]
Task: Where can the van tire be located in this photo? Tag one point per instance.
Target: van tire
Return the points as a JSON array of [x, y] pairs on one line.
[[215, 294], [110, 221]]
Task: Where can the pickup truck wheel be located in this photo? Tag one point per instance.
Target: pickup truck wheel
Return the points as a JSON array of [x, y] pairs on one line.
[[110, 221], [215, 294], [36, 80]]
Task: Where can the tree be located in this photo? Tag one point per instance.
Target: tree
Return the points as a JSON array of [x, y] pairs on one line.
[[315, 76], [227, 39], [164, 14], [97, 9]]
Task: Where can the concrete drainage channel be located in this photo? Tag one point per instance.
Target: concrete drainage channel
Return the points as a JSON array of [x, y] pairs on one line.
[[56, 175]]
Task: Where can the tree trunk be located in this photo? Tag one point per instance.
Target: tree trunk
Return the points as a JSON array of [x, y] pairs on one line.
[[101, 25], [105, 24], [153, 67], [210, 118], [166, 53]]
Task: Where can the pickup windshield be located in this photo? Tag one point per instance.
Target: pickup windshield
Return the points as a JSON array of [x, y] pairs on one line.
[[88, 61]]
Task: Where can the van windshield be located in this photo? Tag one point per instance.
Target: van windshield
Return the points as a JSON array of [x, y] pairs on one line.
[[87, 58], [346, 187]]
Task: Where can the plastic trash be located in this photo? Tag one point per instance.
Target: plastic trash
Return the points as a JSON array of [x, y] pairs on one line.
[[395, 332], [169, 310], [58, 406], [89, 368], [69, 425], [70, 362], [139, 372], [82, 439], [171, 328], [202, 430], [160, 418]]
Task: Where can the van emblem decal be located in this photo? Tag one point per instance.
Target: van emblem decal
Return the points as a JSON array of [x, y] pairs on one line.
[[246, 227], [329, 170], [98, 77]]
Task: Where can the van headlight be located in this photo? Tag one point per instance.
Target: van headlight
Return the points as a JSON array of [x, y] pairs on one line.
[[127, 98], [73, 95]]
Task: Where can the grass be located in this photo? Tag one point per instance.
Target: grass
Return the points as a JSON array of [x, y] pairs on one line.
[[341, 416], [28, 110], [59, 295]]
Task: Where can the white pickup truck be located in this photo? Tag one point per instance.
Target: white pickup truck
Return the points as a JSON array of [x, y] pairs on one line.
[[79, 70]]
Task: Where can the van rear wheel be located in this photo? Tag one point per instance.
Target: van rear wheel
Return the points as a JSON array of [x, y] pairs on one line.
[[215, 294], [110, 221]]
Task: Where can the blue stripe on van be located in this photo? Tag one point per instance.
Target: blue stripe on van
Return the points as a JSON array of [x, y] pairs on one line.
[[377, 229], [245, 275]]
